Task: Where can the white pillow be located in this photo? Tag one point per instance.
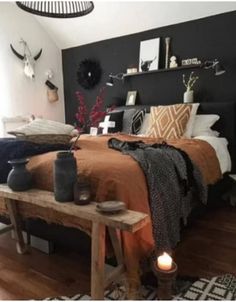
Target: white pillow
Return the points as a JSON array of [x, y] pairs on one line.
[[41, 126], [220, 144], [189, 127], [145, 124], [203, 123]]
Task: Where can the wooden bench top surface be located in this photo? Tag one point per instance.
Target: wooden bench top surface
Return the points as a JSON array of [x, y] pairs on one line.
[[130, 221]]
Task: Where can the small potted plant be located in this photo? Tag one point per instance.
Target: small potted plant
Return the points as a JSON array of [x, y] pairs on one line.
[[189, 93]]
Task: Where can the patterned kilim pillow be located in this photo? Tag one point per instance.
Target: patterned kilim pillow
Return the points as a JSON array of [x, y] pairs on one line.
[[128, 120], [169, 121], [137, 120]]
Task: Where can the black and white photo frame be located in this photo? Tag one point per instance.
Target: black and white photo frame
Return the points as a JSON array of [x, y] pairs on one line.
[[149, 55], [131, 98]]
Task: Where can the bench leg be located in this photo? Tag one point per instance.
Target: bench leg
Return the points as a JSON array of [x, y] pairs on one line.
[[116, 243], [98, 261], [15, 221], [118, 274]]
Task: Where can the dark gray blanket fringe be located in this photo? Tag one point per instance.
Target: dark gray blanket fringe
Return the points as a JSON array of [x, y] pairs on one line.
[[167, 171]]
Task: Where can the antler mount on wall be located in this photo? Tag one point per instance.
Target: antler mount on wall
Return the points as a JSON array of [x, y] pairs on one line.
[[27, 58]]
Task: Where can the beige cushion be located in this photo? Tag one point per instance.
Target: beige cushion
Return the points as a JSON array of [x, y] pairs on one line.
[[169, 121], [41, 126], [11, 123]]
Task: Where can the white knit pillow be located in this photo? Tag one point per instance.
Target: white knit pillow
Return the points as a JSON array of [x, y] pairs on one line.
[[41, 126]]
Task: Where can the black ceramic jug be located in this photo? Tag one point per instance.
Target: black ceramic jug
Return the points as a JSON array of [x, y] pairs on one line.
[[65, 176], [19, 178]]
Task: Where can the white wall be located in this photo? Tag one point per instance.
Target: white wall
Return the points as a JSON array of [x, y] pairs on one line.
[[18, 94], [111, 19]]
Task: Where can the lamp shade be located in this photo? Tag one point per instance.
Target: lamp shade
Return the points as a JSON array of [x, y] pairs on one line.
[[110, 82], [215, 65], [219, 69], [57, 9]]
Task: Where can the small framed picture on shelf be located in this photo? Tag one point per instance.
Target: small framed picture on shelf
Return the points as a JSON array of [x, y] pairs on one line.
[[131, 98], [93, 131]]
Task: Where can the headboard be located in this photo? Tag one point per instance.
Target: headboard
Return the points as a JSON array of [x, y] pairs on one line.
[[226, 124]]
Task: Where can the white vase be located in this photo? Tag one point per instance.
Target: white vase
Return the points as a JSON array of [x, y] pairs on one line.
[[188, 96]]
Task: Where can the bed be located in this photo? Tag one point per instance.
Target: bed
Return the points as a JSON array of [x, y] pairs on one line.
[[125, 180]]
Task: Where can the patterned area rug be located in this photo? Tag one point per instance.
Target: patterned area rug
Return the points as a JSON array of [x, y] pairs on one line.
[[217, 288]]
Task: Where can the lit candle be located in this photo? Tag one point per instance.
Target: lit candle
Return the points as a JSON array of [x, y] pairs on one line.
[[164, 262]]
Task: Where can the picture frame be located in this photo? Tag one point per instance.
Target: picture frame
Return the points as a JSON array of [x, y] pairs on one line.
[[131, 98], [93, 131], [149, 55]]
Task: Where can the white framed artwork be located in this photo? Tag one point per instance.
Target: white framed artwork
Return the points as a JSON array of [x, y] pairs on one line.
[[149, 55], [93, 131], [131, 98]]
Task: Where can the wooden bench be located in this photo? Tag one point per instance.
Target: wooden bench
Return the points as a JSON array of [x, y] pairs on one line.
[[130, 221]]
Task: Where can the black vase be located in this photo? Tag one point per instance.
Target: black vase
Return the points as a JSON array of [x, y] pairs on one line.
[[19, 178], [65, 176]]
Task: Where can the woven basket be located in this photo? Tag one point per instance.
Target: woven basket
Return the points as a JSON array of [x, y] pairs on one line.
[[46, 138]]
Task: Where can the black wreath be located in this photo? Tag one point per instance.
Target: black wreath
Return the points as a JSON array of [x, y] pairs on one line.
[[89, 73]]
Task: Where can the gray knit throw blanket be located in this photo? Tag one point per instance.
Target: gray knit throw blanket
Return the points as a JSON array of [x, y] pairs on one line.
[[174, 183]]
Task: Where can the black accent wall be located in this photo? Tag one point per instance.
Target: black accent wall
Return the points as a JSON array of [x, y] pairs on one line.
[[207, 38]]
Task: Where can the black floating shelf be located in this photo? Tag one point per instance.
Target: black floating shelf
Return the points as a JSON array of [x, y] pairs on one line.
[[126, 75]]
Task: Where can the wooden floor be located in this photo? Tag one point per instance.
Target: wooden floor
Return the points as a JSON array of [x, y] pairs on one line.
[[208, 248], [37, 275]]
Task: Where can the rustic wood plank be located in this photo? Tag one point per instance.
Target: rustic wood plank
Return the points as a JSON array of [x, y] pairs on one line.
[[98, 261], [130, 221], [127, 220], [15, 221]]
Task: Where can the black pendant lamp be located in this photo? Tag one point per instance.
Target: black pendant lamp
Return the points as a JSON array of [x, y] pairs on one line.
[[57, 9]]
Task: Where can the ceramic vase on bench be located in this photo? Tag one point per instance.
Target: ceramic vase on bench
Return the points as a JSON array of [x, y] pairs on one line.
[[19, 178], [65, 176]]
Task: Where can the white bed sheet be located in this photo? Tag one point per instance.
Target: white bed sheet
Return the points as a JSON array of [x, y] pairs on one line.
[[220, 144]]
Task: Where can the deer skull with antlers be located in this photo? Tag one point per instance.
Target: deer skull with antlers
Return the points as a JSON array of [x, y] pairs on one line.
[[27, 58]]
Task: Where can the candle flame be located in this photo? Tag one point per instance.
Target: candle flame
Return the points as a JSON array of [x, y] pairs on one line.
[[164, 261], [166, 255]]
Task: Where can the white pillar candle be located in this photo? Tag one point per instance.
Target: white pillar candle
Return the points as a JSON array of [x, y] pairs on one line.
[[164, 262]]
